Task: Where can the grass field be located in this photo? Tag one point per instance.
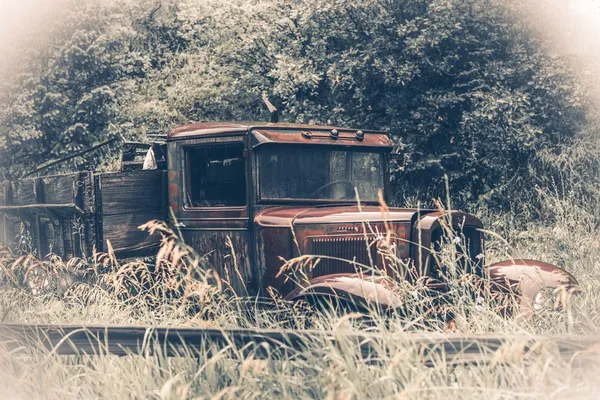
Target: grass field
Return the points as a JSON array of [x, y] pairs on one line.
[[186, 297], [126, 68]]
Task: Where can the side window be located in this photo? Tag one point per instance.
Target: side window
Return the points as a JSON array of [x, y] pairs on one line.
[[216, 176]]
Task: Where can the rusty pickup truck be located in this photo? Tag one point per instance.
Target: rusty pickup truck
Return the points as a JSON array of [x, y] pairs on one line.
[[250, 196]]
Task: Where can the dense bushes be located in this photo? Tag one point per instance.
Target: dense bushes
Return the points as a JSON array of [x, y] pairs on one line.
[[464, 86]]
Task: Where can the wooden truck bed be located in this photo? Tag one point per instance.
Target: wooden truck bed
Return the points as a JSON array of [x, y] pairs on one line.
[[73, 215]]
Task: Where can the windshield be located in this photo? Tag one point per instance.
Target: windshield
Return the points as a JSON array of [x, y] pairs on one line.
[[308, 173]]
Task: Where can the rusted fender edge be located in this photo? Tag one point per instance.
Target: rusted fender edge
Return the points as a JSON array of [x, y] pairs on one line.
[[534, 282], [354, 289]]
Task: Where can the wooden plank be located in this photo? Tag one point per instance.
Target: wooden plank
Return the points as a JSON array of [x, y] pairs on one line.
[[5, 237], [24, 192], [4, 193], [86, 245], [283, 344], [123, 233], [3, 230], [99, 220], [10, 230], [36, 233], [125, 201], [60, 209], [61, 189], [38, 189], [67, 239], [136, 190]]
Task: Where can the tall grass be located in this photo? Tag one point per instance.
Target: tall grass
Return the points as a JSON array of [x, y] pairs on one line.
[[178, 289]]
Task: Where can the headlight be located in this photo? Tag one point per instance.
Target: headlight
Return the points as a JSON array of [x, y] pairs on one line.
[[542, 301]]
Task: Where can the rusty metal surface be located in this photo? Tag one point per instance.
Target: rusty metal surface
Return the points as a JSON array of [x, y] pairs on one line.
[[432, 220], [320, 138], [337, 232], [334, 214], [526, 278], [351, 233], [342, 253], [341, 215], [227, 253], [220, 234], [355, 288], [278, 216], [226, 128], [515, 269], [267, 236], [179, 181], [174, 180], [201, 129], [424, 228], [272, 245]]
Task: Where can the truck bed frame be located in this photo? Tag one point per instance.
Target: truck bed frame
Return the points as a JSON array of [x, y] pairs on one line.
[[71, 215]]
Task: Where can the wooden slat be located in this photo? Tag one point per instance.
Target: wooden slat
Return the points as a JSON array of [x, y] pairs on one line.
[[57, 199], [125, 192], [4, 188], [90, 242], [4, 222], [61, 189], [23, 192], [432, 348], [10, 229], [61, 209], [3, 230], [36, 234], [126, 201], [123, 232]]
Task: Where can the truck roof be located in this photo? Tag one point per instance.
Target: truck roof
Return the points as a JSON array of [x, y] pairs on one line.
[[216, 128], [282, 132]]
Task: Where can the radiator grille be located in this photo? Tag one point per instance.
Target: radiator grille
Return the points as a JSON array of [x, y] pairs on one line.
[[352, 248]]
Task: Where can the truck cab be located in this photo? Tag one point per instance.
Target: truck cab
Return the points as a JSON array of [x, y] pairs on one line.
[[250, 196]]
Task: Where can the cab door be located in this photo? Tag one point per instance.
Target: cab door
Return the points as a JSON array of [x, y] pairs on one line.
[[209, 196]]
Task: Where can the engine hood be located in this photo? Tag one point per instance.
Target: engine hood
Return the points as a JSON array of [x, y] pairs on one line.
[[343, 237], [297, 216]]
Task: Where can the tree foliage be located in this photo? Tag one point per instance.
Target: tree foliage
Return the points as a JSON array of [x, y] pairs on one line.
[[465, 87]]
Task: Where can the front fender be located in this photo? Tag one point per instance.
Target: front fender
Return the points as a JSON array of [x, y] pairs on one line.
[[528, 279], [355, 289]]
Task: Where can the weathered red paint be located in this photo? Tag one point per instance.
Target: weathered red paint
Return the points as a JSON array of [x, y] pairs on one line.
[[207, 129], [526, 278], [353, 288], [288, 216], [320, 137], [430, 222]]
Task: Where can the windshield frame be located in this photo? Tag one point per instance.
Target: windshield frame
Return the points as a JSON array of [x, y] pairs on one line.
[[382, 151]]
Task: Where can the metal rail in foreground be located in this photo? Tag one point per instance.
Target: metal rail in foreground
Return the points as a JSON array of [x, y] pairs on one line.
[[126, 340]]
